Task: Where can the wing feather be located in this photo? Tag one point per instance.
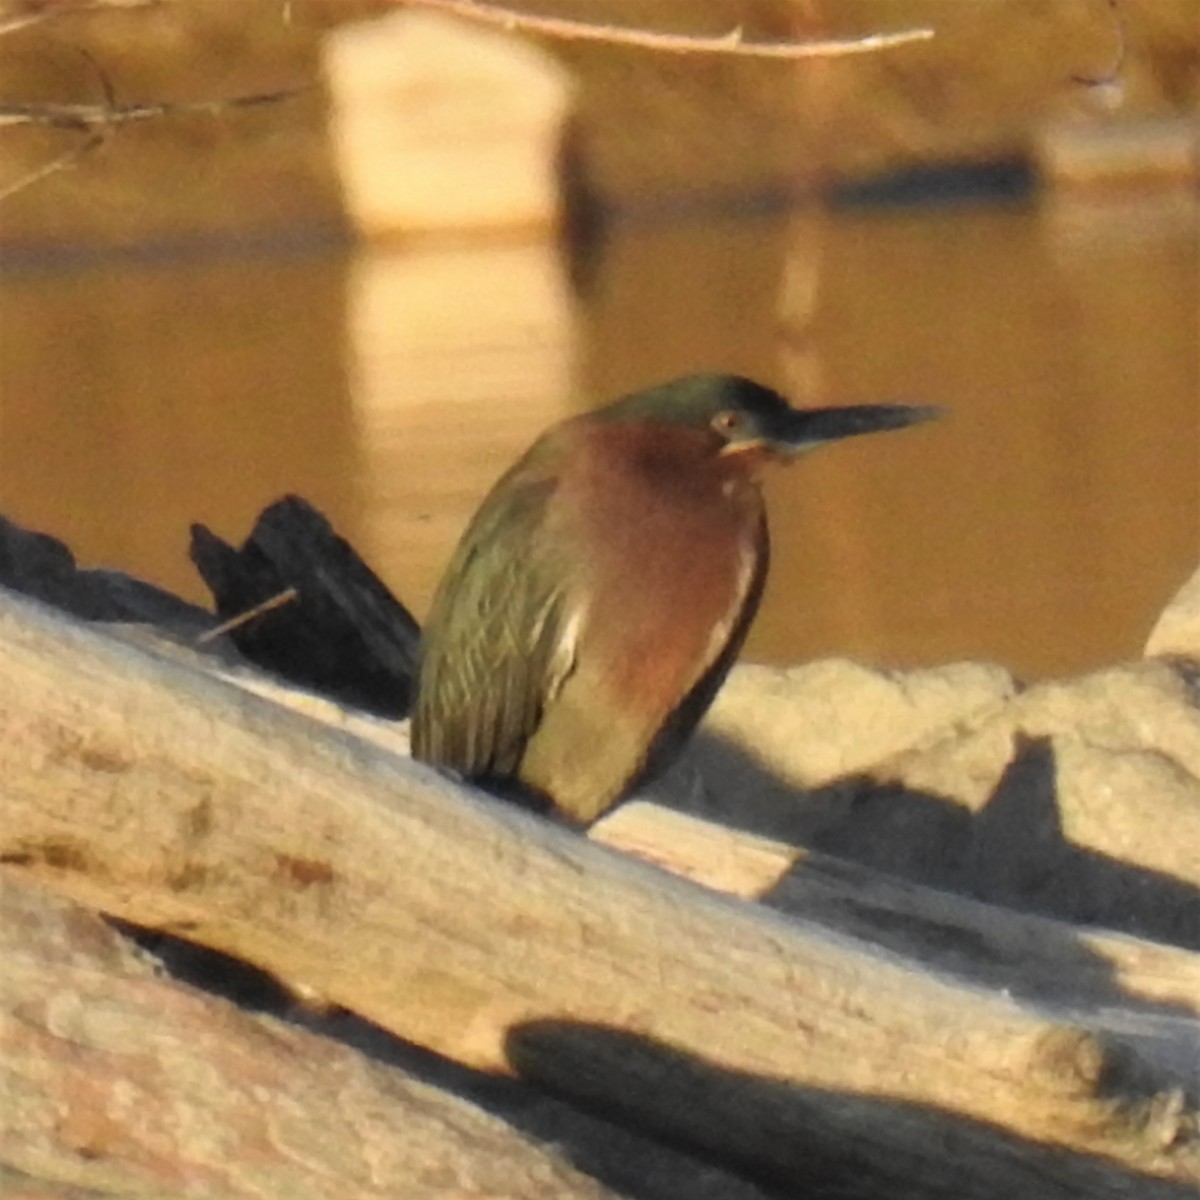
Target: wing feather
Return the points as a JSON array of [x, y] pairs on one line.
[[498, 642]]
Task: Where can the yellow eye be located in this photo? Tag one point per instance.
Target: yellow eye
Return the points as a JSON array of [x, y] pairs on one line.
[[727, 422]]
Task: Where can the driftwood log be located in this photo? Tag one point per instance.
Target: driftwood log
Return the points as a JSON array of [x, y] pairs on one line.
[[1066, 966], [810, 1058], [117, 1076]]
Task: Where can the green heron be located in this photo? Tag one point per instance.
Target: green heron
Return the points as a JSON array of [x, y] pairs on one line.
[[602, 591]]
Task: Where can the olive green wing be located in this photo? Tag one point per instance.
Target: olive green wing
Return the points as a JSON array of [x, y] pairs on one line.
[[498, 643]]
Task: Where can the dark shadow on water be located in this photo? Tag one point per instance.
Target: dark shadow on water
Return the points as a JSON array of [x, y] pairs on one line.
[[940, 184], [268, 243]]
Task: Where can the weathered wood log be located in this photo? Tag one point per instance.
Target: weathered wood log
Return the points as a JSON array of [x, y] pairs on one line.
[[171, 799], [1062, 965], [1020, 952], [1078, 798], [116, 1076], [120, 1078]]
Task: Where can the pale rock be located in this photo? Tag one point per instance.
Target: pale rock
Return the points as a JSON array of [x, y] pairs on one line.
[[1078, 798], [774, 732], [822, 720], [1142, 708], [1178, 629]]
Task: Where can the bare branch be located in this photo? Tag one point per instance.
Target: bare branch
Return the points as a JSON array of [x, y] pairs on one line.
[[1111, 76], [96, 120], [734, 42], [243, 618], [23, 20], [86, 117], [62, 162]]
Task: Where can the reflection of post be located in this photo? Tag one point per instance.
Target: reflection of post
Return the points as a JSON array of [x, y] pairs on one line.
[[799, 294], [461, 349], [843, 541], [813, 92], [463, 355]]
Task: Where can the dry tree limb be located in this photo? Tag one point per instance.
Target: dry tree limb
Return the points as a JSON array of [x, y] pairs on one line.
[[162, 796], [26, 16], [732, 43], [90, 118], [118, 1078], [1111, 75], [61, 162], [24, 20], [1057, 963], [84, 118], [250, 614], [98, 120]]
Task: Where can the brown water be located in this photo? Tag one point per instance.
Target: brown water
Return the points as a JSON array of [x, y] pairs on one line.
[[1042, 524]]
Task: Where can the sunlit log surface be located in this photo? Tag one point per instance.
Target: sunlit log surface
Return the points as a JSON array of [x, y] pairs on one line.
[[116, 1076], [153, 792], [1058, 963]]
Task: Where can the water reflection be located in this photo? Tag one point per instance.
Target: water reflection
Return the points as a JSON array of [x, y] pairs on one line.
[[136, 399], [1042, 524]]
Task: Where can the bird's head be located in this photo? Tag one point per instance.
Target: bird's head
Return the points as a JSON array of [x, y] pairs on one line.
[[746, 424]]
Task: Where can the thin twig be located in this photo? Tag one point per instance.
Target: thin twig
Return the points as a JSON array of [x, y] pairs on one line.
[[87, 117], [276, 601], [63, 162], [566, 29], [1113, 74], [12, 24]]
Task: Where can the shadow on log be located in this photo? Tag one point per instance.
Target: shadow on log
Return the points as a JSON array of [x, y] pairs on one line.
[[928, 1153], [1012, 850], [115, 1076], [158, 794], [826, 1057]]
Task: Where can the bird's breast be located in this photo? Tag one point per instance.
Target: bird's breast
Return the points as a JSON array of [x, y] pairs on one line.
[[667, 555]]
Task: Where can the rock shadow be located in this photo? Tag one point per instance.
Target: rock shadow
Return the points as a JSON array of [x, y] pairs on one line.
[[1013, 851]]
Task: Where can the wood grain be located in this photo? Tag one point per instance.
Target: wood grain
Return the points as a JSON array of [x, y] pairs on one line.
[[151, 791]]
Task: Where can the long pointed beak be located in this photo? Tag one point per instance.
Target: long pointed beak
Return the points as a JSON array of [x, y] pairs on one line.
[[801, 429]]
